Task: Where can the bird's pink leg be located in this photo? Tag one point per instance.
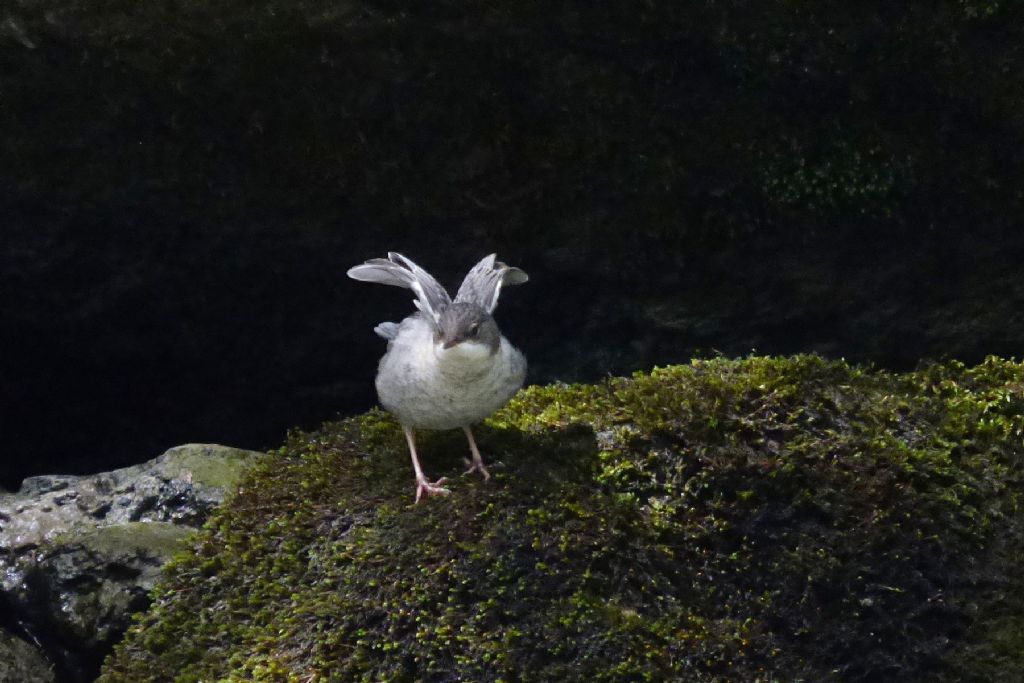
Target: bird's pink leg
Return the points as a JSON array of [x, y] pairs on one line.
[[477, 464], [423, 487]]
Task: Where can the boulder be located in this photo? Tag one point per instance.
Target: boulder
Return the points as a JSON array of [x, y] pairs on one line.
[[761, 519], [79, 555]]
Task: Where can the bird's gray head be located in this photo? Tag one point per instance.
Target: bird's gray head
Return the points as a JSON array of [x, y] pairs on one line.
[[469, 328]]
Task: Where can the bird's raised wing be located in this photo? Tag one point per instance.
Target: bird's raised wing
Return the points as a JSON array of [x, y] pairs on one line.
[[484, 280], [397, 270]]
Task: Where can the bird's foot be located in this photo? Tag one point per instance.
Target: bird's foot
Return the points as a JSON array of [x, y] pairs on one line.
[[476, 467], [425, 488]]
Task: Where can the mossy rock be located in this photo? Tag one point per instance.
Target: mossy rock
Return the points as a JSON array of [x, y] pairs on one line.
[[209, 465], [133, 539], [763, 519]]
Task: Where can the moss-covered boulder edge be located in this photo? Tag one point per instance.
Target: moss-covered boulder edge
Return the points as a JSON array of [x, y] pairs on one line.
[[750, 520]]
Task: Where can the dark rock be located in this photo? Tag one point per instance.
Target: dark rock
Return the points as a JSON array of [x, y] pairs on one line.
[[21, 662], [677, 179], [78, 555]]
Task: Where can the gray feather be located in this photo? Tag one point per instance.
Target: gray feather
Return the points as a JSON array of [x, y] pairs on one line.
[[387, 330], [398, 271], [483, 282]]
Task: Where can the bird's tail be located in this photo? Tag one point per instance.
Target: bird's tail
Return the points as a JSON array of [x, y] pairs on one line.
[[398, 271], [484, 280]]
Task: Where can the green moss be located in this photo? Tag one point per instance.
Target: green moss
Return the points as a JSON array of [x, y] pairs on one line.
[[759, 519], [159, 539], [217, 466]]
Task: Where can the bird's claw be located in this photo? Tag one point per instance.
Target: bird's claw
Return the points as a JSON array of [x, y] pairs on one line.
[[476, 467], [425, 488]]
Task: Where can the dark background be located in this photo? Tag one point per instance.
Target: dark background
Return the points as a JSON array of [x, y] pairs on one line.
[[183, 184]]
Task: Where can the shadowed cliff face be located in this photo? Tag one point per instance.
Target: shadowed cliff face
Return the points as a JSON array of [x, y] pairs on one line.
[[185, 183], [244, 360]]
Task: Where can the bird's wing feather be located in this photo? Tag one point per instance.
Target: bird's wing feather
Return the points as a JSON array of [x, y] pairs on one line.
[[398, 271], [387, 330], [483, 282]]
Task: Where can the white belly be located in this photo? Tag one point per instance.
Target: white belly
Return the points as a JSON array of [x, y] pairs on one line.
[[426, 387]]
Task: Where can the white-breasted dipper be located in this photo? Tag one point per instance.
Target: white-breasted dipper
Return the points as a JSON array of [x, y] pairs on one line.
[[448, 365]]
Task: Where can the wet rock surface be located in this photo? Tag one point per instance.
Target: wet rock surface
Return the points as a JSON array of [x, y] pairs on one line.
[[21, 662], [78, 555]]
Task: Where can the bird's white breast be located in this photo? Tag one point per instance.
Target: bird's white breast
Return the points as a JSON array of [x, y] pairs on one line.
[[427, 386]]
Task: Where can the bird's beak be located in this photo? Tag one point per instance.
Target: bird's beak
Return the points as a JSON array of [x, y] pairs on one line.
[[449, 343]]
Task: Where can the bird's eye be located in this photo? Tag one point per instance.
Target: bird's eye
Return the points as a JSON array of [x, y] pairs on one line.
[[473, 329]]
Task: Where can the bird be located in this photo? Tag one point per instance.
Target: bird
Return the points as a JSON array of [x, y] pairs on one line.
[[447, 365]]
